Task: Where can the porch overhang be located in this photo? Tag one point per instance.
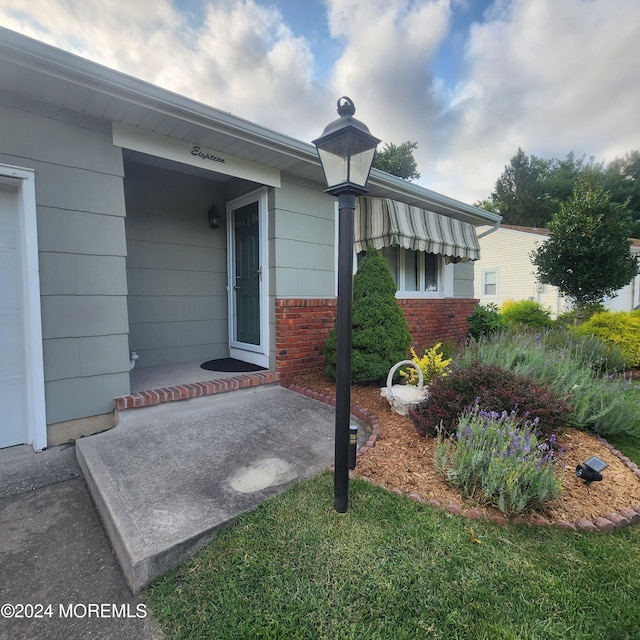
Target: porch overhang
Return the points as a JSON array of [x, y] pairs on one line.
[[383, 222]]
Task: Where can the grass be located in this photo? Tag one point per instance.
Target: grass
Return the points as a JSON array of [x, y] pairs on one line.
[[629, 445], [392, 568]]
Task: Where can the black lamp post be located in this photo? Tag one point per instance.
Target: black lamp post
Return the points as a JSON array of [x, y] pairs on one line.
[[346, 149]]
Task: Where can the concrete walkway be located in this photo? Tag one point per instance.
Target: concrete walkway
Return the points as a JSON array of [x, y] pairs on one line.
[[54, 552], [169, 476]]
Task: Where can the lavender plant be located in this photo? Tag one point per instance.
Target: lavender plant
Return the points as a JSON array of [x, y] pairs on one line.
[[500, 460]]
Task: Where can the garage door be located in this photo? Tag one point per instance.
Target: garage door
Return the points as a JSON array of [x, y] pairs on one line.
[[13, 397]]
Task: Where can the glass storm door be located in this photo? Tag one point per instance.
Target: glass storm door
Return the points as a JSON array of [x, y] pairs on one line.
[[247, 286], [248, 274]]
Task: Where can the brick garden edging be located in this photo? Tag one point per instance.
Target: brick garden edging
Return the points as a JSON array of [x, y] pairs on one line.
[[615, 520]]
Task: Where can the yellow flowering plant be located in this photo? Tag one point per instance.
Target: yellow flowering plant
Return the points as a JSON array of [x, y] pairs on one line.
[[433, 365]]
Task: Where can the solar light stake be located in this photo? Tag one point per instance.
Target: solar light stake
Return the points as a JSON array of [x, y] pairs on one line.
[[590, 470], [353, 445]]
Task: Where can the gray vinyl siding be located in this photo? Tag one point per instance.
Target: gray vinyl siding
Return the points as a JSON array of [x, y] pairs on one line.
[[302, 238], [463, 280], [82, 249], [176, 267]]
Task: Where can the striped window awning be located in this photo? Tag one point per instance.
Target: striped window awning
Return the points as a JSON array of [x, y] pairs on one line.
[[383, 222]]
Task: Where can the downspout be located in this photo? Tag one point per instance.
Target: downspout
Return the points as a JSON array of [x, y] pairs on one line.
[[495, 227]]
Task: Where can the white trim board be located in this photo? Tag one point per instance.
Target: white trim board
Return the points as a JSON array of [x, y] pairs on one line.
[[24, 181], [192, 154]]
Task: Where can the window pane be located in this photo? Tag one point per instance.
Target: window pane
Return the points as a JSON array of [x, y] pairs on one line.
[[430, 272], [390, 254], [490, 283], [411, 281]]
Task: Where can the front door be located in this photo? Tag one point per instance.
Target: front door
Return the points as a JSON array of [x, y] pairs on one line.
[[248, 292]]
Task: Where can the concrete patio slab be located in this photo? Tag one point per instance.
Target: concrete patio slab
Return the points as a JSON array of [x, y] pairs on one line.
[[169, 476]]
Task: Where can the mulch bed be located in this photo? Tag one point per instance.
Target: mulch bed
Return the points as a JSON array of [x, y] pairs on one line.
[[402, 461]]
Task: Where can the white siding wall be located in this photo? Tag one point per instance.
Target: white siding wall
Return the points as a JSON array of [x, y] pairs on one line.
[[507, 251]]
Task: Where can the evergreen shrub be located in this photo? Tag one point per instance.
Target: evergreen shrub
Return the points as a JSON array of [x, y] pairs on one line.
[[568, 318], [380, 335]]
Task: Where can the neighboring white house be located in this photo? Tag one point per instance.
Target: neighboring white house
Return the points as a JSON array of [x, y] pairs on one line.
[[505, 272]]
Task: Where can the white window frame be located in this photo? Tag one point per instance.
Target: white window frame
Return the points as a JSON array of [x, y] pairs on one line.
[[444, 276], [483, 283]]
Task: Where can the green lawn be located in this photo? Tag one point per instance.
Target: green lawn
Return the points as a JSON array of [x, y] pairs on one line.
[[392, 568], [627, 444]]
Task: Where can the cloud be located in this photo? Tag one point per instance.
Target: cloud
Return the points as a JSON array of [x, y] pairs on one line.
[[240, 57], [548, 76], [385, 64]]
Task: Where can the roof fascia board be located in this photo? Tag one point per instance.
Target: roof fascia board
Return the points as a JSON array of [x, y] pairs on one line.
[[436, 202], [38, 56]]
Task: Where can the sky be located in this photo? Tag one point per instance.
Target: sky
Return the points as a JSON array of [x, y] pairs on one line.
[[470, 81]]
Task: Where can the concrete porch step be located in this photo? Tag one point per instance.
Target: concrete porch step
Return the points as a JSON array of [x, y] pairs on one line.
[[169, 476]]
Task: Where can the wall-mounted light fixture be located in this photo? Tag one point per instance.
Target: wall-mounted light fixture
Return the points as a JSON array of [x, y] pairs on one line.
[[214, 217], [590, 470]]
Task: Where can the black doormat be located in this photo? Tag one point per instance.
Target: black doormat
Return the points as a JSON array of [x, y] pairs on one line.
[[230, 364]]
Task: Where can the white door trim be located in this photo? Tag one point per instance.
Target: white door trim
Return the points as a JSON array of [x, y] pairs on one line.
[[24, 181], [255, 354]]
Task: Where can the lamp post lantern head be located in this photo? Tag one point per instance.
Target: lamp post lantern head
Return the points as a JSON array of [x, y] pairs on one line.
[[346, 149]]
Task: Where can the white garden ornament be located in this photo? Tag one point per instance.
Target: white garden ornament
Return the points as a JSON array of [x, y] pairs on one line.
[[403, 397]]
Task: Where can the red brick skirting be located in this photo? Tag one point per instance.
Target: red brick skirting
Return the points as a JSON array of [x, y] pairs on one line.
[[303, 324], [302, 328], [615, 520], [195, 390], [433, 320]]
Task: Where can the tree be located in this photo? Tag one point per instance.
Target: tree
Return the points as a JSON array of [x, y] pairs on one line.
[[587, 254], [381, 335], [398, 161], [622, 180], [520, 195], [563, 175]]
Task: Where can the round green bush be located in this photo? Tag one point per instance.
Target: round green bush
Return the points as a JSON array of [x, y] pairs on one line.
[[485, 320], [528, 313], [621, 329], [380, 335]]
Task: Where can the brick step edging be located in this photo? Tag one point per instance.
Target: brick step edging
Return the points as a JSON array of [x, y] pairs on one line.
[[615, 520], [194, 390]]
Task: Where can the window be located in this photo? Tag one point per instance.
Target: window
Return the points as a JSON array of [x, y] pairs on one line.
[[490, 282], [415, 272]]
